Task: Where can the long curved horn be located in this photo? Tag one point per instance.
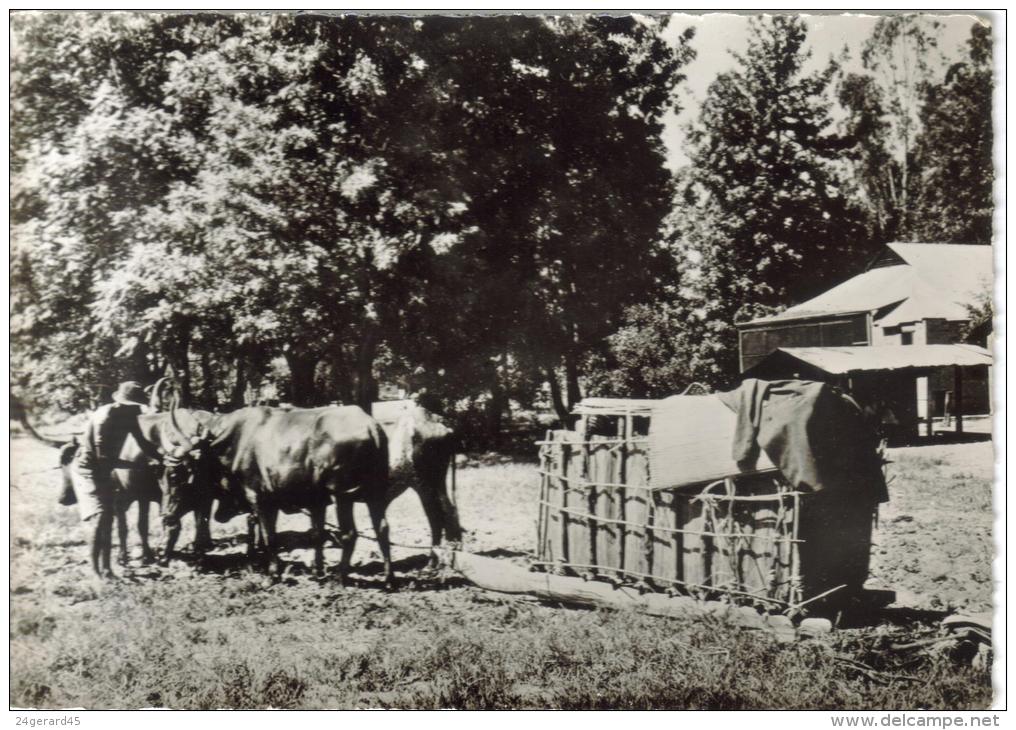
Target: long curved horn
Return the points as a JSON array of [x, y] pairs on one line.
[[176, 425], [19, 413], [156, 400], [30, 430]]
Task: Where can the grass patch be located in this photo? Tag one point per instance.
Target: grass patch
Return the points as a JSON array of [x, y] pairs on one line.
[[445, 648]]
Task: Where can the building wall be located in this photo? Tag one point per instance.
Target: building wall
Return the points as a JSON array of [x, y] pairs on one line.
[[757, 342], [923, 332], [935, 392], [976, 395], [915, 332], [944, 332]]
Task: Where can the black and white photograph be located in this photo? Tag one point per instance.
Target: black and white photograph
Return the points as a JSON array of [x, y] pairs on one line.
[[507, 360]]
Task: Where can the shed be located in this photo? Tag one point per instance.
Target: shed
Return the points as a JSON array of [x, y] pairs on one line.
[[911, 295], [883, 377], [907, 296]]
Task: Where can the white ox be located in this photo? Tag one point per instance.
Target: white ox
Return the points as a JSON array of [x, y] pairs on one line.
[[421, 455]]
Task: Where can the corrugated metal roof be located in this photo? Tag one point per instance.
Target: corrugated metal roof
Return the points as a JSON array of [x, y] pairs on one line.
[[927, 303], [949, 267], [865, 292], [845, 360], [937, 281]]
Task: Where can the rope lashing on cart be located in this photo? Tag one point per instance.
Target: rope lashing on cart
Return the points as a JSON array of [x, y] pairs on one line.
[[732, 530], [729, 527]]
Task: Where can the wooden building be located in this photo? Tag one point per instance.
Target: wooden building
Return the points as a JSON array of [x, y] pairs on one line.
[[913, 298]]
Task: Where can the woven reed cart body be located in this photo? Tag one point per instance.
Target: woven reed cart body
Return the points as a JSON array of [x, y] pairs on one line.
[[739, 535]]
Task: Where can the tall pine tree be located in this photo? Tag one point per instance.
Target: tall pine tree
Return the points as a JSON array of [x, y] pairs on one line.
[[761, 157], [884, 119], [954, 202], [764, 222]]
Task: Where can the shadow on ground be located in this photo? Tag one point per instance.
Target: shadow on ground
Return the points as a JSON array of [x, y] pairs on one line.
[[412, 572], [945, 438]]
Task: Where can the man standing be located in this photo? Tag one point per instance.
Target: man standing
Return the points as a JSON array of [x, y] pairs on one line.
[[108, 429]]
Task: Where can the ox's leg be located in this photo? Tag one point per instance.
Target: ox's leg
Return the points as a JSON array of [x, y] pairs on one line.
[[267, 516], [347, 535], [380, 523], [317, 532], [452, 526], [147, 556], [202, 530], [432, 508], [172, 512], [441, 513], [253, 537]]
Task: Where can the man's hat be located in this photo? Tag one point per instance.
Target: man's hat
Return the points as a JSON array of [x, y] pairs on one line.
[[130, 393]]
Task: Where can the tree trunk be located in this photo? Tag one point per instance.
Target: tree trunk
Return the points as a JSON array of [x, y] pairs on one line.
[[179, 358], [208, 395], [555, 396], [571, 373], [366, 385], [342, 379], [904, 186], [236, 398], [139, 368], [302, 391], [494, 410]]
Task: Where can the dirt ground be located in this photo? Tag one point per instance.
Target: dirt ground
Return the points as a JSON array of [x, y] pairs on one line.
[[934, 541], [75, 642]]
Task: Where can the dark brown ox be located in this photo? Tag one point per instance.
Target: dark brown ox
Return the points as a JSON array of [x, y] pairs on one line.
[[421, 455], [141, 484], [292, 460]]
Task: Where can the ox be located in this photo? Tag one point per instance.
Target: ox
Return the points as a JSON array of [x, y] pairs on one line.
[[421, 451], [295, 460], [141, 484]]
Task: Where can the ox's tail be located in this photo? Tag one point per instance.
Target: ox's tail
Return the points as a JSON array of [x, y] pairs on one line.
[[67, 454], [453, 528], [452, 489]]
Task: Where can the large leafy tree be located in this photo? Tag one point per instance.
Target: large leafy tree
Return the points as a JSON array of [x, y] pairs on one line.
[[761, 159], [239, 195], [873, 174], [476, 198], [87, 155], [559, 123], [567, 189], [954, 152]]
